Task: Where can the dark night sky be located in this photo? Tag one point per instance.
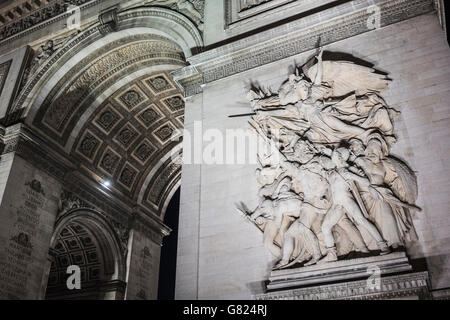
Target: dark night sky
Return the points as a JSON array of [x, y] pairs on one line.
[[166, 287], [447, 19]]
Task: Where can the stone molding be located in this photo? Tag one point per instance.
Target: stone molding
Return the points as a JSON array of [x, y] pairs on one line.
[[337, 271], [441, 294], [189, 80], [341, 22], [127, 19], [392, 287], [108, 21], [239, 15], [43, 17]]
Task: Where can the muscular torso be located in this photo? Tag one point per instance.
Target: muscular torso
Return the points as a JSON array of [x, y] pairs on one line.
[[315, 189]]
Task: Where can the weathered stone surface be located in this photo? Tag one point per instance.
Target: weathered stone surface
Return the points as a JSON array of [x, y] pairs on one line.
[[412, 286], [100, 104], [338, 271], [29, 207], [229, 249]]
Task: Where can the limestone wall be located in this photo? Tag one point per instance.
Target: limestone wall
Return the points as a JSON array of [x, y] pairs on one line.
[[220, 256], [27, 214], [228, 19], [143, 267]]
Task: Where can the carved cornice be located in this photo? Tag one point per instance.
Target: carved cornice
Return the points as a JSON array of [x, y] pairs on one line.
[[108, 21], [189, 80], [238, 14], [31, 20], [19, 139], [127, 19], [442, 294], [132, 14], [392, 287], [26, 23], [341, 22]]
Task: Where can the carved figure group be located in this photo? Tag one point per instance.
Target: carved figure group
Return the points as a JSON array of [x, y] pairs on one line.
[[333, 187]]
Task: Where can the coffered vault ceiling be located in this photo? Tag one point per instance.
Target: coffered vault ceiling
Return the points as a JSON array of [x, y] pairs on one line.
[[113, 112], [130, 132], [75, 245]]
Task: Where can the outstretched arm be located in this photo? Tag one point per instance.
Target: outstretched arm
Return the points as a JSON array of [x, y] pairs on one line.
[[357, 178], [272, 102], [356, 171]]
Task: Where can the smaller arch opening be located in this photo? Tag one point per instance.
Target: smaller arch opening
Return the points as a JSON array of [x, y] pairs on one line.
[[89, 245]]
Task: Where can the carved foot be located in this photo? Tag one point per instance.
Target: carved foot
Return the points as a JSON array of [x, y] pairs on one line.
[[326, 259], [363, 250], [330, 257], [281, 264], [384, 248], [312, 262]]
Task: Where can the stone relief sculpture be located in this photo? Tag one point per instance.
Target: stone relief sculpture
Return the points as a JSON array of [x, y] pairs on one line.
[[44, 12], [329, 185], [247, 4], [43, 54], [182, 5], [69, 201]]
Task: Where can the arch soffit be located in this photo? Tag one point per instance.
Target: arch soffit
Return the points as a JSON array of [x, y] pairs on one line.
[[139, 21], [104, 232]]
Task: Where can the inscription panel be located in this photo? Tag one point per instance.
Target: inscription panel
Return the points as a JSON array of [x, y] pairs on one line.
[[144, 267], [28, 214]]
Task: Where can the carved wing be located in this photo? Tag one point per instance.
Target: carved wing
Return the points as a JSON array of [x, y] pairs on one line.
[[402, 180], [345, 77]]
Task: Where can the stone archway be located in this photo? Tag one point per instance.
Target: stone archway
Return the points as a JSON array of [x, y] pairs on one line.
[[98, 113], [144, 21], [84, 238], [104, 87]]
